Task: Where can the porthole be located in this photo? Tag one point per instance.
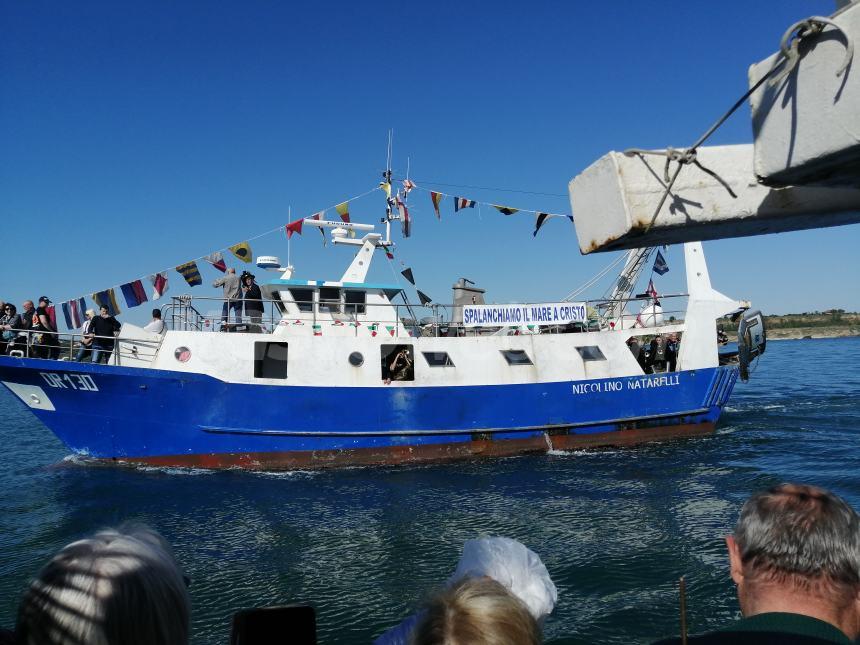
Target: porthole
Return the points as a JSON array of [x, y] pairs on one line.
[[356, 359], [182, 354]]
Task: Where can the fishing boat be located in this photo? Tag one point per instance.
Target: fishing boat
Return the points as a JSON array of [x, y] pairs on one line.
[[349, 372]]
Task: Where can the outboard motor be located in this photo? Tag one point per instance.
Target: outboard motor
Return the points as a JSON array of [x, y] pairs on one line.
[[752, 339]]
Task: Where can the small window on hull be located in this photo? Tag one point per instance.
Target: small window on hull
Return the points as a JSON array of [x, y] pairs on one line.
[[591, 353], [516, 357], [398, 363], [270, 360], [438, 359]]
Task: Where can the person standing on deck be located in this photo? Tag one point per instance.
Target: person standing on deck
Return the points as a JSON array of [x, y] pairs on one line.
[[232, 295], [253, 299], [106, 329]]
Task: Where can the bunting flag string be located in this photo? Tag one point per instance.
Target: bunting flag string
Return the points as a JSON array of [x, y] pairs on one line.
[[407, 273], [134, 291], [405, 220], [320, 216]]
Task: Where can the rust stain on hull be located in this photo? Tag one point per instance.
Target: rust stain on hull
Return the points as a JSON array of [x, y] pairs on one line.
[[478, 448]]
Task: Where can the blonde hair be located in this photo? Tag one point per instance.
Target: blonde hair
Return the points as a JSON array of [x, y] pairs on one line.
[[477, 611]]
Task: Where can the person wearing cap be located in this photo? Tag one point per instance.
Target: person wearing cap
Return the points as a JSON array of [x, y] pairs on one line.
[[253, 299], [46, 342]]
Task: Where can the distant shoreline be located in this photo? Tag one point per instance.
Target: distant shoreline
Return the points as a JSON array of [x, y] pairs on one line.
[[811, 332]]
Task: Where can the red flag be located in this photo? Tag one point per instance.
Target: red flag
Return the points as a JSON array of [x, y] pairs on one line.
[[294, 227]]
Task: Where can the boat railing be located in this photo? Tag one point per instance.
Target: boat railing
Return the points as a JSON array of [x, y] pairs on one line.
[[69, 346], [404, 319]]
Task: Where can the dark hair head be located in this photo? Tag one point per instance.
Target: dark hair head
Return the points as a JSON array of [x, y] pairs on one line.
[[156, 313], [12, 308], [119, 586], [800, 534]]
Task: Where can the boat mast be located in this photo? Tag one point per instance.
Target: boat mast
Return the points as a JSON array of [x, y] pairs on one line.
[[617, 297]]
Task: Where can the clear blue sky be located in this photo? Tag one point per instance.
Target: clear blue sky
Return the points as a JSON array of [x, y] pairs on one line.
[[136, 136]]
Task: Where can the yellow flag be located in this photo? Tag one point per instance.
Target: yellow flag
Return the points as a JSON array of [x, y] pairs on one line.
[[384, 185], [343, 211], [242, 251]]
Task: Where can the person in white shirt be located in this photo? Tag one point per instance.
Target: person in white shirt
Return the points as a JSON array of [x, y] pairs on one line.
[[156, 325]]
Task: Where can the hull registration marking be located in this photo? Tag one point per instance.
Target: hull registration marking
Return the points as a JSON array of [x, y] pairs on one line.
[[70, 381]]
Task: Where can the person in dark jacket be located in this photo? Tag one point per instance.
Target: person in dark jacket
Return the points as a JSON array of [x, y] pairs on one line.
[[106, 328], [9, 324], [46, 343], [795, 559], [253, 300]]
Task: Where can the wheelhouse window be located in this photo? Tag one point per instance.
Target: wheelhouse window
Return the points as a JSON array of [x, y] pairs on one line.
[[304, 298], [516, 357], [591, 353], [330, 300], [398, 363], [356, 301], [270, 360], [438, 359]]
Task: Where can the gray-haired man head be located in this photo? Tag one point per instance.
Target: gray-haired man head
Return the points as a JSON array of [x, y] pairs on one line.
[[795, 558]]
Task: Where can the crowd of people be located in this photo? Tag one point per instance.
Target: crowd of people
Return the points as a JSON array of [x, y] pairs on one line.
[[794, 557], [657, 356], [33, 331]]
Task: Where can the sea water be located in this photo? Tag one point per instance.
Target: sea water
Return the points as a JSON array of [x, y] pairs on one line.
[[615, 528]]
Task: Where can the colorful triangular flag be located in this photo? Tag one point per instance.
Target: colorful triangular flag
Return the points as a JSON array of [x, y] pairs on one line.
[[343, 211], [134, 293], [660, 266], [408, 185], [541, 218], [462, 202], [294, 227], [191, 273], [242, 251], [216, 260], [436, 198], [159, 284], [320, 217], [107, 298], [506, 210], [407, 273]]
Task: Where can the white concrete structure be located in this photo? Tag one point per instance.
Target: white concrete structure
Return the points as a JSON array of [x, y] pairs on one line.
[[614, 201], [807, 125]]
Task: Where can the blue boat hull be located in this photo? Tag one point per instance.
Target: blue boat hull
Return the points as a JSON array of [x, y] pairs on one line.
[[173, 418]]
